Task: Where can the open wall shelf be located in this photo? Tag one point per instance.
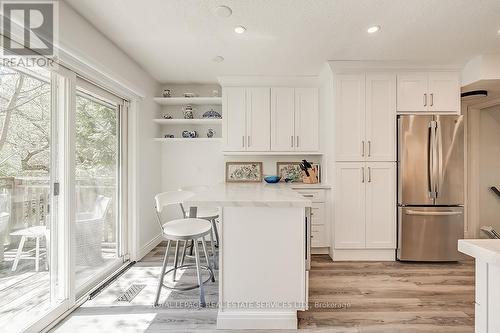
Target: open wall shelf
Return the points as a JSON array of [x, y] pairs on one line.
[[188, 100], [188, 121]]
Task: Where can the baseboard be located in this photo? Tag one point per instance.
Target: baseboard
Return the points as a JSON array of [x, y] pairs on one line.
[[320, 250], [148, 247], [257, 320], [364, 255]]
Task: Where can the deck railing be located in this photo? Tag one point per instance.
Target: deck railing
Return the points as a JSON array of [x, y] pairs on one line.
[[27, 200]]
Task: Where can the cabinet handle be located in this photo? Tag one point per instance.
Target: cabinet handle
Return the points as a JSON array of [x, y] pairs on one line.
[[362, 174], [425, 99], [248, 141], [308, 196], [369, 148], [297, 141], [291, 137], [362, 149], [432, 99], [243, 141], [369, 175]]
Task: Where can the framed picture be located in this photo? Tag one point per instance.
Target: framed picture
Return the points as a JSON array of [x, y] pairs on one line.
[[292, 171], [243, 172]]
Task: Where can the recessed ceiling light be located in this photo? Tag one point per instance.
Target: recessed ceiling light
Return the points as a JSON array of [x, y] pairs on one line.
[[240, 29], [373, 29], [223, 11], [218, 59], [498, 31]]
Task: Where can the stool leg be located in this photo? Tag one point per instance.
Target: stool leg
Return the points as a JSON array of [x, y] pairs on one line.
[[37, 254], [198, 273], [214, 254], [162, 274], [18, 253], [191, 248], [207, 258], [216, 232], [176, 258], [183, 255]]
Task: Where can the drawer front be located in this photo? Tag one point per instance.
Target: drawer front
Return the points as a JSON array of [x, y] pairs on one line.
[[319, 236], [318, 214], [313, 195]]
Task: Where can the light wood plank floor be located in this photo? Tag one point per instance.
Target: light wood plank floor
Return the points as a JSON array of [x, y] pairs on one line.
[[350, 297]]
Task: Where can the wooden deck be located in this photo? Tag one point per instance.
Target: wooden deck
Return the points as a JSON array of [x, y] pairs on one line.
[[351, 297]]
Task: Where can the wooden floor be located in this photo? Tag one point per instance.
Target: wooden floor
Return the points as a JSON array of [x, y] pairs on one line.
[[390, 297], [350, 297]]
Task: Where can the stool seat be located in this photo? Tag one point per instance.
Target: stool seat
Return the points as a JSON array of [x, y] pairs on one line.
[[187, 227], [206, 213], [37, 231]]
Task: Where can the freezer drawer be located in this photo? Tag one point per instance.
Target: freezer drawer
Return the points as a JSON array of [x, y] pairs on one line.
[[429, 233]]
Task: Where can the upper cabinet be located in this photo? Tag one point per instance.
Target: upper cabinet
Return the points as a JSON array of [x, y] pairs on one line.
[[365, 117], [428, 92], [270, 119], [294, 119], [246, 111]]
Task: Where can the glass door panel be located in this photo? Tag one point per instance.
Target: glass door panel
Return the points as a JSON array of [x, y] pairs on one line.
[[98, 224], [29, 286]]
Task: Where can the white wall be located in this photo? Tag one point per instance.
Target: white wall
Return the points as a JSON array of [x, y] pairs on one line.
[[489, 167], [83, 42]]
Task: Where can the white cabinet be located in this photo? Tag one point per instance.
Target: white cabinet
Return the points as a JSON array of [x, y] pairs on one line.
[[246, 119], [320, 227], [350, 213], [306, 119], [365, 205], [365, 117], [294, 119], [270, 119], [350, 117], [381, 205], [428, 92], [282, 119], [380, 117], [258, 119]]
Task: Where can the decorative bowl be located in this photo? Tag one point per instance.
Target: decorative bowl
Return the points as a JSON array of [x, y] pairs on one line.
[[272, 179]]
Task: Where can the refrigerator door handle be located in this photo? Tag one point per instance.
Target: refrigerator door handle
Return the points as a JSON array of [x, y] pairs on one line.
[[431, 167], [439, 158], [426, 213]]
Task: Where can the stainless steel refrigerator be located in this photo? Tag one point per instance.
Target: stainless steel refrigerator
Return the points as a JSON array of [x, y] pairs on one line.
[[430, 187]]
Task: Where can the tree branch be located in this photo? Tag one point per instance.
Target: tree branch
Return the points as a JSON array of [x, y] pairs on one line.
[[8, 115]]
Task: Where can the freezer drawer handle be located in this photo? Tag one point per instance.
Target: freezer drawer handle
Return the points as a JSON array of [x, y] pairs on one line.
[[424, 213]]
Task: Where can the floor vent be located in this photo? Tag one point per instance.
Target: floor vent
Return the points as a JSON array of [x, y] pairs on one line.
[[131, 292]]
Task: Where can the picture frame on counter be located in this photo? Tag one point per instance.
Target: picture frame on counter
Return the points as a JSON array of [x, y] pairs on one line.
[[244, 172], [292, 171]]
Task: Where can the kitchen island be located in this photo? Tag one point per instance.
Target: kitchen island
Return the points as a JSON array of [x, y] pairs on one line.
[[487, 305], [263, 254]]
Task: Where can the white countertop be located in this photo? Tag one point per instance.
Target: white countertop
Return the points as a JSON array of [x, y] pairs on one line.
[[249, 195], [487, 250]]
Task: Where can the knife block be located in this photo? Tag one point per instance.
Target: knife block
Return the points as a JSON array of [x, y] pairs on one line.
[[312, 178]]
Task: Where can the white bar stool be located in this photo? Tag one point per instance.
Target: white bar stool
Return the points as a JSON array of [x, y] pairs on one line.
[[186, 229], [207, 213], [37, 233]]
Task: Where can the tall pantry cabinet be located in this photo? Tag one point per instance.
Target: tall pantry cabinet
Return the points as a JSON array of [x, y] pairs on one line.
[[365, 155]]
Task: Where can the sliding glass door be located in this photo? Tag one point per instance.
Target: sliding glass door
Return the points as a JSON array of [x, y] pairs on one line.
[[62, 165], [33, 269], [99, 224]]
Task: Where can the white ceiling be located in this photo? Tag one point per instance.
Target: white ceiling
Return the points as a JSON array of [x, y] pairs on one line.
[[176, 40]]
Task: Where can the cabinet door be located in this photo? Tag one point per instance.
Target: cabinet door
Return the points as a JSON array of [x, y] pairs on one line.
[[444, 92], [306, 119], [381, 205], [381, 117], [350, 206], [350, 142], [234, 123], [258, 119], [412, 92], [282, 119]]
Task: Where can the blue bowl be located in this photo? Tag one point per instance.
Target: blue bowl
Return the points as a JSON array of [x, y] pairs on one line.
[[272, 179]]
